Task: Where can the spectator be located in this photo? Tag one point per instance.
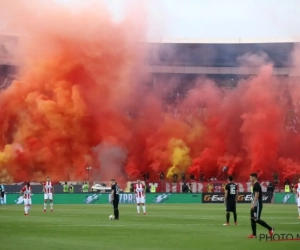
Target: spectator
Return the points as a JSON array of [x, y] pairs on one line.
[[202, 176], [85, 188], [161, 176], [65, 188], [275, 177], [184, 188], [146, 176], [71, 188], [270, 189], [190, 188], [287, 188], [183, 177], [213, 178], [192, 177], [175, 177]]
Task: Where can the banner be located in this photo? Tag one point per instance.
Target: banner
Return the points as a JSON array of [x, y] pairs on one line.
[[99, 198], [242, 198], [286, 198], [207, 187]]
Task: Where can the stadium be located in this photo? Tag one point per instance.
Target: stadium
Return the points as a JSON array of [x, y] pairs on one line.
[[186, 61], [85, 117]]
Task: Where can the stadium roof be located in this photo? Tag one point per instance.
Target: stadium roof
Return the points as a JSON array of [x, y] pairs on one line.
[[206, 56], [220, 54], [237, 40]]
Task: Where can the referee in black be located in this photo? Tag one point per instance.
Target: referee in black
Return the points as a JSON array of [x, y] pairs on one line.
[[256, 207], [231, 195], [114, 198]]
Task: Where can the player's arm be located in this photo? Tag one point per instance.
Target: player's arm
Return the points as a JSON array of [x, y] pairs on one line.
[[112, 195], [226, 195], [295, 189], [22, 191], [256, 194], [236, 194]]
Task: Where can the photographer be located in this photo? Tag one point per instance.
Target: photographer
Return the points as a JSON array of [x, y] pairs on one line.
[[270, 189], [184, 188]]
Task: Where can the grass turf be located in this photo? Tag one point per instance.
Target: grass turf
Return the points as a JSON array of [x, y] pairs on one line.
[[164, 227]]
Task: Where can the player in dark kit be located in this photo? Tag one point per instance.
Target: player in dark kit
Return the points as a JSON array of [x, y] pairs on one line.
[[231, 194], [115, 190], [256, 207]]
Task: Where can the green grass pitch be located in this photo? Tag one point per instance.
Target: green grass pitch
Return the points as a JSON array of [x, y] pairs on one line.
[[164, 227]]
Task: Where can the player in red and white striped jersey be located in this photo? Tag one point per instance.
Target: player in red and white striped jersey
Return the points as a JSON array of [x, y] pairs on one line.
[[48, 194], [139, 190], [26, 192], [297, 192]]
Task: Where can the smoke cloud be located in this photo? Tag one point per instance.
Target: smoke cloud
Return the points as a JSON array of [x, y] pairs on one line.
[[81, 99]]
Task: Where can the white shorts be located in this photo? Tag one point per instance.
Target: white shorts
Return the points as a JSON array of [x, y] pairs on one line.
[[27, 202], [298, 202], [140, 200], [48, 196]]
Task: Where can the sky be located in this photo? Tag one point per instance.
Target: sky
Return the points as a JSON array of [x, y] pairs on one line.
[[210, 19], [214, 19]]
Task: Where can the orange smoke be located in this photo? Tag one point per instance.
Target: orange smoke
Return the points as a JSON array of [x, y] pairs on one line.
[[81, 100]]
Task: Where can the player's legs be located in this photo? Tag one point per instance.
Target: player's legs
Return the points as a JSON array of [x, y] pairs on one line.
[[45, 202], [261, 222], [253, 215], [143, 205], [116, 208], [235, 217], [51, 205], [25, 206], [138, 203], [227, 217], [228, 210], [298, 201], [51, 201], [234, 212], [29, 205], [138, 207]]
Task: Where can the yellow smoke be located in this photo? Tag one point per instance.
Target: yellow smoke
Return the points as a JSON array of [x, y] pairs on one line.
[[5, 156], [180, 158]]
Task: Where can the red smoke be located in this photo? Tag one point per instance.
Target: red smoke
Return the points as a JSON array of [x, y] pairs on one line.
[[81, 100]]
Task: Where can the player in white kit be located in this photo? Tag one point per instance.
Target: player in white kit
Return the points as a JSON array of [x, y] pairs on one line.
[[297, 192], [48, 194], [26, 192], [139, 190]]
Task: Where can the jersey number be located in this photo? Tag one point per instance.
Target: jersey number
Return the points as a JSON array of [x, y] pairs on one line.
[[232, 190], [117, 190]]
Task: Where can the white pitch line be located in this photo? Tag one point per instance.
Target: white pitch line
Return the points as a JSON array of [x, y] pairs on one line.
[[114, 224]]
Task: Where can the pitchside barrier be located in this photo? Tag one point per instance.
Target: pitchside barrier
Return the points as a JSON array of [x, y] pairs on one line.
[[285, 198], [242, 197], [103, 198], [151, 198]]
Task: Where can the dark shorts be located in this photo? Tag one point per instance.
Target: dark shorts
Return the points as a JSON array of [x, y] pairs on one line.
[[255, 213], [116, 203], [231, 206], [2, 194]]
